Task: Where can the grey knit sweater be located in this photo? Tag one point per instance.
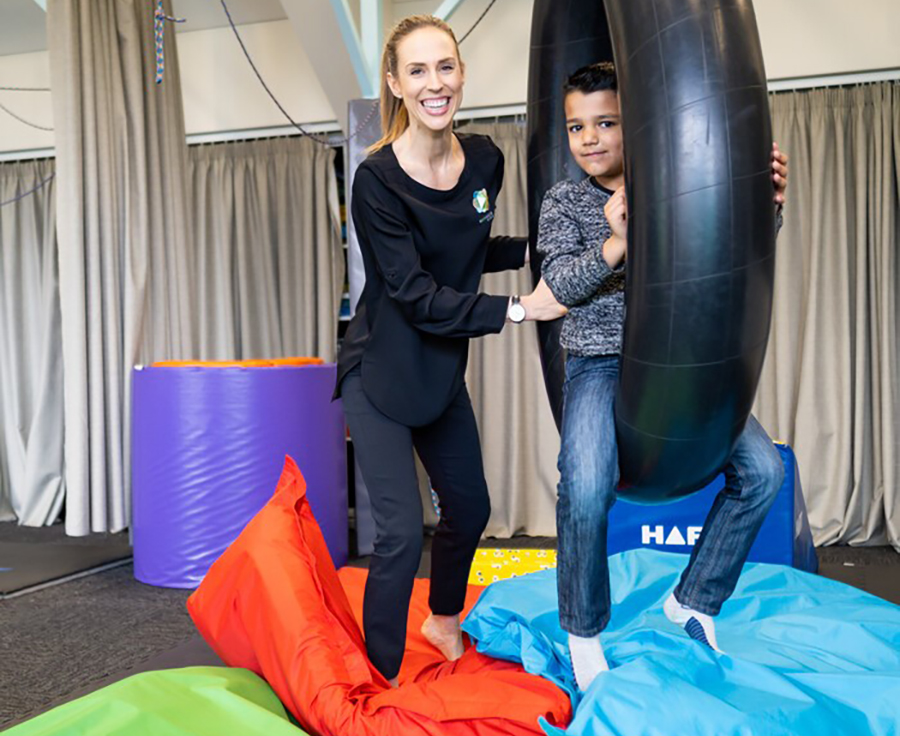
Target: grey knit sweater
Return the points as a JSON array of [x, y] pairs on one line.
[[571, 234]]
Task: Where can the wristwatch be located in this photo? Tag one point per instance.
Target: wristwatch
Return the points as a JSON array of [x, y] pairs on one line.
[[516, 312]]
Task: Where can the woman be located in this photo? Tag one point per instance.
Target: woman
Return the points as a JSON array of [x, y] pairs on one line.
[[422, 205]]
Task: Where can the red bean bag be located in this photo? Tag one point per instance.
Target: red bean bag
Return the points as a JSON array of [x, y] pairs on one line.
[[274, 604]]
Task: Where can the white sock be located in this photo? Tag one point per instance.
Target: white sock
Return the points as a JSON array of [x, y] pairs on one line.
[[588, 660], [699, 626]]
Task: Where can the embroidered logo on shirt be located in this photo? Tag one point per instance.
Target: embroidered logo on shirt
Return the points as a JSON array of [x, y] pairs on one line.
[[480, 201]]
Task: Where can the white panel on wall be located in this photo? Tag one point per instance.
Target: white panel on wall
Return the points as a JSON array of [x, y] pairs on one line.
[[200, 15], [810, 38], [222, 93], [25, 70]]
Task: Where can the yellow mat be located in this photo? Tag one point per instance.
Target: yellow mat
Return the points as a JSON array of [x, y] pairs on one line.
[[491, 565]]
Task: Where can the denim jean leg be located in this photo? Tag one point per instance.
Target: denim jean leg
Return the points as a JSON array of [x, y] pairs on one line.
[[753, 476], [589, 472]]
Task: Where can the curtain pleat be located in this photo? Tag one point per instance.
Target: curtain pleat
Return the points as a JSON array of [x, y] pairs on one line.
[[830, 384], [32, 486], [268, 245], [518, 435], [126, 273]]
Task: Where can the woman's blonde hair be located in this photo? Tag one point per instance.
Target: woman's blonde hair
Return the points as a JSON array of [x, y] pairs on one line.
[[394, 118]]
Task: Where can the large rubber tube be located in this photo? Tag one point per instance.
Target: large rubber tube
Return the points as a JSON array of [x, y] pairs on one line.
[[564, 37], [701, 236]]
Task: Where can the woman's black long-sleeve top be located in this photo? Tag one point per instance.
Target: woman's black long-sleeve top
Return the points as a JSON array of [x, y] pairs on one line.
[[424, 251]]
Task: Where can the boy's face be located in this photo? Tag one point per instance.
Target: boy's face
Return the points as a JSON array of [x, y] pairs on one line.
[[595, 133]]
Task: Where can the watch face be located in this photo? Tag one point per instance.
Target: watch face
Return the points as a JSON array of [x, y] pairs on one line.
[[517, 313]]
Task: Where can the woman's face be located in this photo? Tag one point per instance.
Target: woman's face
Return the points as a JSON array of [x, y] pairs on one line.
[[429, 78]]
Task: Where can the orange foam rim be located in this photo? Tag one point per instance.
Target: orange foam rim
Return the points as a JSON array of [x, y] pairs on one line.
[[256, 363]]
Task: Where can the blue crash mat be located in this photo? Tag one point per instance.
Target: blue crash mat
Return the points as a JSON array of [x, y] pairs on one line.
[[805, 655]]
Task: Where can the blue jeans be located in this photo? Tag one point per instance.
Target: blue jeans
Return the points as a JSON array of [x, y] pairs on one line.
[[589, 474]]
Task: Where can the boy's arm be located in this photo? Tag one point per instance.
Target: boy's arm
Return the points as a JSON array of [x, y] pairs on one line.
[[573, 273]]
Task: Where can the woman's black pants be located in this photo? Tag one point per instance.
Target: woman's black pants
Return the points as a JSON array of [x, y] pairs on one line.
[[450, 450]]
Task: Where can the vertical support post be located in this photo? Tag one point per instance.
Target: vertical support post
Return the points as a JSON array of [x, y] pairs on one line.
[[368, 125], [371, 16], [447, 8], [354, 45]]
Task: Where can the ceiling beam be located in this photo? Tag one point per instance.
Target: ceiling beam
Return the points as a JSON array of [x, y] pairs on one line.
[[447, 8], [355, 48], [328, 35], [371, 21]]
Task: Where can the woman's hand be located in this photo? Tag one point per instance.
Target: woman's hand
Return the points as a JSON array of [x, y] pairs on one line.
[[541, 306], [779, 173]]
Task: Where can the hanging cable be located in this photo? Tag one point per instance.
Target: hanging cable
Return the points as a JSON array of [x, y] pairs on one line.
[[480, 18], [29, 192], [23, 120], [24, 89], [324, 140]]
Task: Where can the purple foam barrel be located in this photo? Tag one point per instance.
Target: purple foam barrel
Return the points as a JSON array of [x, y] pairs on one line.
[[208, 446]]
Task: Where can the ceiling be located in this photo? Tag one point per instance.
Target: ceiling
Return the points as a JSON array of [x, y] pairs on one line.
[[23, 23], [22, 27], [202, 14]]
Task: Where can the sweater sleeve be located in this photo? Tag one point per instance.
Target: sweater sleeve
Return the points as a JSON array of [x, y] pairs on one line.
[[438, 310], [573, 270]]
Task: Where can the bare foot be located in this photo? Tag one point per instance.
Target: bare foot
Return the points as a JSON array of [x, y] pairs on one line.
[[443, 633]]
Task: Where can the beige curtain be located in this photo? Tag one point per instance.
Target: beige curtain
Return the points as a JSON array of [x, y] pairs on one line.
[[31, 398], [518, 434], [830, 382], [123, 229], [268, 245]]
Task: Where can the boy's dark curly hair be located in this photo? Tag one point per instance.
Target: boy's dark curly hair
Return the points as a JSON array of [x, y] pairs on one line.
[[592, 78]]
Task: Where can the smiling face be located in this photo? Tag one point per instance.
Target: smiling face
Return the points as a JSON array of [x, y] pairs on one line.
[[595, 135], [429, 78]]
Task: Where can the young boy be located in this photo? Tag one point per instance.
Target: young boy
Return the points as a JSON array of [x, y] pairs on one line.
[[582, 235]]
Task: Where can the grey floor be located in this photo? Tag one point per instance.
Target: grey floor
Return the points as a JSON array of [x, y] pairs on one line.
[[71, 639]]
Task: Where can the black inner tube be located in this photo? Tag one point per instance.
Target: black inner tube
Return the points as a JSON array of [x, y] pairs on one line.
[[564, 37], [697, 136]]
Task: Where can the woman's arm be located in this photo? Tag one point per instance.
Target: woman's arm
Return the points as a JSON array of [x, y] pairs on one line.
[[438, 310], [505, 253]]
